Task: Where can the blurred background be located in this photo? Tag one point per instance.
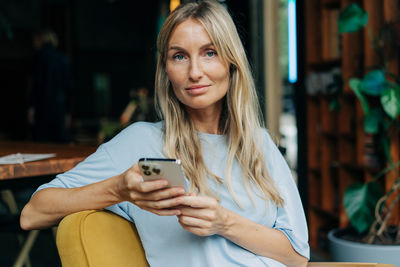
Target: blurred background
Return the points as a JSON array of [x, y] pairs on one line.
[[101, 55]]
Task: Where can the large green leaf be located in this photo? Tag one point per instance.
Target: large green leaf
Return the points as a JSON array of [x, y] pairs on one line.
[[374, 83], [352, 19], [359, 202], [390, 101], [372, 121], [355, 84]]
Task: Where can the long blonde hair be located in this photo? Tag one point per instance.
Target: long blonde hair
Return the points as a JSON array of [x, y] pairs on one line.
[[240, 119]]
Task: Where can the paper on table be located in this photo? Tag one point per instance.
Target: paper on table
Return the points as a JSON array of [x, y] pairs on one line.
[[21, 158]]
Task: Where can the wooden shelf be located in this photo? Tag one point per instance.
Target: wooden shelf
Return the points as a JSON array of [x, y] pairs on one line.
[[330, 135], [347, 136], [334, 4], [336, 139], [323, 65]]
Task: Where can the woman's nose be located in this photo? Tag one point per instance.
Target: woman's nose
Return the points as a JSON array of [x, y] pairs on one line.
[[196, 70]]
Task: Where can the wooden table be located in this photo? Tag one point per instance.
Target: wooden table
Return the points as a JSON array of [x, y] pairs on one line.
[[13, 176], [67, 156]]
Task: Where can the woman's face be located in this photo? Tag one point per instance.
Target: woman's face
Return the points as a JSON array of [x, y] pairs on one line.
[[198, 76]]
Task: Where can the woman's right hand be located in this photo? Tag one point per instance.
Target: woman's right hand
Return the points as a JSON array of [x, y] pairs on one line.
[[153, 196]]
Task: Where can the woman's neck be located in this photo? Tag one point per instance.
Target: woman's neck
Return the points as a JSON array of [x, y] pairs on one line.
[[207, 120]]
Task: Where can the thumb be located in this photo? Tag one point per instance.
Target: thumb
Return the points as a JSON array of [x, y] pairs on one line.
[[135, 168]]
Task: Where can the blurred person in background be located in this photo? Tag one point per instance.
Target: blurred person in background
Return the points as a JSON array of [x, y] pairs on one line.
[[49, 108], [138, 108]]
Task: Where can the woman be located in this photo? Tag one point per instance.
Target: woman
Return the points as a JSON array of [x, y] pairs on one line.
[[243, 209]]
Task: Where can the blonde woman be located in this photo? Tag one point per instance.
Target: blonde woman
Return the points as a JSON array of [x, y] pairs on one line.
[[242, 209]]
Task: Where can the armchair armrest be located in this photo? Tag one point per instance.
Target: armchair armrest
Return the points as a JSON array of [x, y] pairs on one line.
[[99, 238]]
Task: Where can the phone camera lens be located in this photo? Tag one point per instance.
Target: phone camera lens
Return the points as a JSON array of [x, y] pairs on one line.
[[147, 172], [156, 170], [145, 167]]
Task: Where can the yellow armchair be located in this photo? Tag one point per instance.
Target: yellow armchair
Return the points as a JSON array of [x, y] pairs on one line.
[[100, 238]]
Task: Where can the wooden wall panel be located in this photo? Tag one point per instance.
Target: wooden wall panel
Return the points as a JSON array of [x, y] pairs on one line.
[[313, 133], [313, 31], [328, 117], [352, 53], [327, 179], [391, 13], [375, 21]]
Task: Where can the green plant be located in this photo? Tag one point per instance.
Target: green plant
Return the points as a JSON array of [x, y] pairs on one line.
[[379, 94]]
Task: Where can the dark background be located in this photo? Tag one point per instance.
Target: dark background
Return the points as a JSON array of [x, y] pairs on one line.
[[112, 38]]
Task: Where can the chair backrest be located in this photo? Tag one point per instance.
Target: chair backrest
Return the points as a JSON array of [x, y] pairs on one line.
[[99, 238], [347, 264]]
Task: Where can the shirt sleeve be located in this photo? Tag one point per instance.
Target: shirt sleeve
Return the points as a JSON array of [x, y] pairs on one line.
[[290, 217], [97, 167]]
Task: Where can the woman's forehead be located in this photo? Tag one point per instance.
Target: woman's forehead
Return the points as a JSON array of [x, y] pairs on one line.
[[187, 32]]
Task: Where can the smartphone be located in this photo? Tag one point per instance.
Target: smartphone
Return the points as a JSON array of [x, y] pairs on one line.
[[156, 168]]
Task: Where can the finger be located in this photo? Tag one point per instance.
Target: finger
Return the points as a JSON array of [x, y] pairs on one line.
[[199, 202], [160, 204], [204, 214], [196, 230], [135, 170], [135, 167], [132, 178], [156, 195], [161, 194], [194, 222], [148, 186], [162, 212]]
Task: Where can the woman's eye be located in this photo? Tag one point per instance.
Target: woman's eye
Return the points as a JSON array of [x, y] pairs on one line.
[[210, 53], [179, 57]]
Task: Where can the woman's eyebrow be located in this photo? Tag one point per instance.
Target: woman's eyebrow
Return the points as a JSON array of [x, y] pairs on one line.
[[206, 45], [176, 47]]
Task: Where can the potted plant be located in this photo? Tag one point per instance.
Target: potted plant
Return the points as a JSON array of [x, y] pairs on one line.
[[369, 209]]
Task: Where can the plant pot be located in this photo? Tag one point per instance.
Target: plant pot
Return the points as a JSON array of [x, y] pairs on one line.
[[349, 251]]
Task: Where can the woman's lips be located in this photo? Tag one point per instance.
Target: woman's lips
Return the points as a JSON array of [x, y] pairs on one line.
[[197, 89]]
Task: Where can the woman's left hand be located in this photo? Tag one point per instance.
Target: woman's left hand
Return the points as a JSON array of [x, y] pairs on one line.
[[203, 216]]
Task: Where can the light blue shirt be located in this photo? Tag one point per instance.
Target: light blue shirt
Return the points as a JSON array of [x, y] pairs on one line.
[[165, 242]]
